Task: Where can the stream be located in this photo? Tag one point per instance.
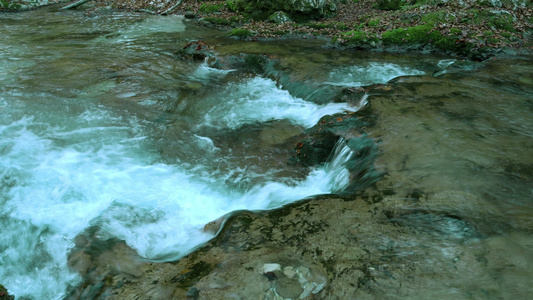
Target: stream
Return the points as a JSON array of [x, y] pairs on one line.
[[103, 126]]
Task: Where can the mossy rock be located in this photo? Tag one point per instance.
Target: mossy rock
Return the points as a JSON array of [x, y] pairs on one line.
[[415, 35], [218, 21], [360, 38], [210, 8], [419, 37], [240, 33], [279, 17]]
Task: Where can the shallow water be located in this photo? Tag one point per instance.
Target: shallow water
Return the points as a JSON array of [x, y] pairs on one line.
[[102, 126]]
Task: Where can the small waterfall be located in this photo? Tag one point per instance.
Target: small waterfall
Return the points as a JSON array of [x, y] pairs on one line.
[[338, 174], [351, 166]]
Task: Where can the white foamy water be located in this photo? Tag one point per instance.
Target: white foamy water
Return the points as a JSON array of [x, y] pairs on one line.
[[260, 99], [62, 172], [68, 163], [356, 76], [59, 179]]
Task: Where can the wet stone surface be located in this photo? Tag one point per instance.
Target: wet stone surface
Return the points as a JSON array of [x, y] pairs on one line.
[[450, 218]]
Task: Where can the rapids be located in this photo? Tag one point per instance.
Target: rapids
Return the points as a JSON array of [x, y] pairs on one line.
[[101, 126]]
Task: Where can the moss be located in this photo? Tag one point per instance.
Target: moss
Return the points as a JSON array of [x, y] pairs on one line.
[[374, 22], [360, 38], [241, 33], [230, 4], [207, 8], [217, 21], [502, 21], [9, 5], [422, 35], [498, 20], [235, 19], [410, 35], [455, 31], [449, 43], [438, 17]]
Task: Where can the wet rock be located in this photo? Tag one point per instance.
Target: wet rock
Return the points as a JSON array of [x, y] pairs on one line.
[[202, 51], [4, 295], [98, 261], [317, 145], [451, 218], [197, 50], [315, 148], [279, 17], [214, 226]]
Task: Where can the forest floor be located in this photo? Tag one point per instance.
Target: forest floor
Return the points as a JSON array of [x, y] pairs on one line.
[[449, 27], [470, 28]]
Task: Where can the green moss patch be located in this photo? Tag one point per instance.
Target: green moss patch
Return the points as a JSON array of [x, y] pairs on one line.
[[419, 36], [410, 35], [9, 5], [374, 22], [217, 21], [208, 8], [360, 38], [240, 33]]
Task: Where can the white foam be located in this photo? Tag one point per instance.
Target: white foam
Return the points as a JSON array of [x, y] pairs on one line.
[[206, 73], [260, 100], [374, 72], [52, 191]]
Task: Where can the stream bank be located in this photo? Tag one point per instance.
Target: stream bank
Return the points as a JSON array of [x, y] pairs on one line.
[[472, 29]]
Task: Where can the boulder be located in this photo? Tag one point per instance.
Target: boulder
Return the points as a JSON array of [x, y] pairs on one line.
[[279, 17]]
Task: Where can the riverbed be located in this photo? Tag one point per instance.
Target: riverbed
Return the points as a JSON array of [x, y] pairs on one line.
[[105, 128]]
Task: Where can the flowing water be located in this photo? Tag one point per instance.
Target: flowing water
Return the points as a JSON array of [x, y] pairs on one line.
[[102, 126]]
